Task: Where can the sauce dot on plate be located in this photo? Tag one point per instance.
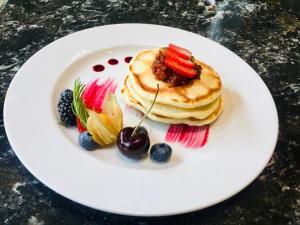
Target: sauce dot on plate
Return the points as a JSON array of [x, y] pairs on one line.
[[98, 68], [113, 61], [128, 59]]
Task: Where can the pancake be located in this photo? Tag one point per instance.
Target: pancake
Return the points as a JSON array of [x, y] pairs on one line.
[[198, 92], [131, 101], [172, 111]]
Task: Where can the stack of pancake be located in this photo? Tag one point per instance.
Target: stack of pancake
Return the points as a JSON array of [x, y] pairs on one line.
[[196, 103]]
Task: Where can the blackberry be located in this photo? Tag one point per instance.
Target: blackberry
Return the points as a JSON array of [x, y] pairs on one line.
[[66, 114]]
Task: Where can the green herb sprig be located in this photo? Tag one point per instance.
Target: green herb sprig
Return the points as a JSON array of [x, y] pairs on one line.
[[78, 106]]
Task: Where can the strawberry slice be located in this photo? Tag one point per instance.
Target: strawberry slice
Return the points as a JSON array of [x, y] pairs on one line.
[[80, 126], [187, 72], [184, 62], [181, 52]]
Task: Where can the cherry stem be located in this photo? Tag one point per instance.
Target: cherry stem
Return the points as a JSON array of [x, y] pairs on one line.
[[135, 129]]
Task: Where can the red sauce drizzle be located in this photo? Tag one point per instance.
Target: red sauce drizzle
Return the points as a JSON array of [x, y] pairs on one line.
[[128, 59], [113, 62], [94, 94], [98, 68], [189, 136]]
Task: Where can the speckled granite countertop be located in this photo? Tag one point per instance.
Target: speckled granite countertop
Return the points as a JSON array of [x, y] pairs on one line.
[[264, 33]]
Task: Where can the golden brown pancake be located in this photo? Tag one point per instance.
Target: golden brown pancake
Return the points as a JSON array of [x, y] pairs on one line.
[[172, 111], [131, 101], [197, 93]]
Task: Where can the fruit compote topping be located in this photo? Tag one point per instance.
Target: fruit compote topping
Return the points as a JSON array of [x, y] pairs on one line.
[[175, 66]]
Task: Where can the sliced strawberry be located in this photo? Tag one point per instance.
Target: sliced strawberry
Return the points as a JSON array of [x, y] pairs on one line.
[[80, 126], [184, 62], [184, 71], [181, 52]]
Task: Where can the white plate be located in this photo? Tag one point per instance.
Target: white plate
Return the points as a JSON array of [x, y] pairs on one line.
[[239, 146]]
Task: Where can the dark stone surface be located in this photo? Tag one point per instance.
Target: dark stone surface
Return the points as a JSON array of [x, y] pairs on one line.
[[264, 33]]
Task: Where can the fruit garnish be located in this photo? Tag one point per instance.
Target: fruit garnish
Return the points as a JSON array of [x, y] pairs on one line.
[[105, 126], [161, 152], [135, 147], [78, 106], [132, 142], [92, 129], [64, 105], [184, 62], [101, 129], [181, 52], [86, 141], [187, 72], [111, 108], [101, 126], [79, 125]]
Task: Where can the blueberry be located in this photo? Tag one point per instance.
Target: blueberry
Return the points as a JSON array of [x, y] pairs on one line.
[[141, 130], [161, 152], [86, 141]]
